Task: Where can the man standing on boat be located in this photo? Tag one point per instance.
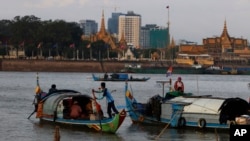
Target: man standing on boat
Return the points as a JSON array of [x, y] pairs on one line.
[[110, 100], [179, 85]]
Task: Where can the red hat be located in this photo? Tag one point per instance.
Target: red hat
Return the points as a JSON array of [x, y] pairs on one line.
[[179, 78]]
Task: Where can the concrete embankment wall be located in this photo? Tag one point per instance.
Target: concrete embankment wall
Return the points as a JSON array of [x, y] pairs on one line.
[[59, 66]]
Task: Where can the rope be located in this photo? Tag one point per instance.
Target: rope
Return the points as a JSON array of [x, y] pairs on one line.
[[162, 131]]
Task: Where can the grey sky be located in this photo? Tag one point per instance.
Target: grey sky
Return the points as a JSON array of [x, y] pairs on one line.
[[191, 20]]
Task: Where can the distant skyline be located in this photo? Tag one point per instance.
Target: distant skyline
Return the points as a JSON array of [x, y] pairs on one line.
[[191, 20]]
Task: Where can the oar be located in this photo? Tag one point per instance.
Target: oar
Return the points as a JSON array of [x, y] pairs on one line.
[[34, 109], [31, 114], [98, 108]]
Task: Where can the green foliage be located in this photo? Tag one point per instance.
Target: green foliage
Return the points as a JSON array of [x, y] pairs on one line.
[[31, 31]]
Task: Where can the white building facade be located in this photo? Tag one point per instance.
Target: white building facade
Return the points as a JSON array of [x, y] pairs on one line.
[[130, 26]]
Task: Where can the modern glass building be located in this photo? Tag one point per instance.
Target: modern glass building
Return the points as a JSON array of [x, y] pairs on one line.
[[145, 35], [113, 23], [159, 37], [89, 27]]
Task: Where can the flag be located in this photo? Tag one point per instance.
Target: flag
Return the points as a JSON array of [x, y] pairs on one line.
[[72, 45], [169, 71], [167, 7]]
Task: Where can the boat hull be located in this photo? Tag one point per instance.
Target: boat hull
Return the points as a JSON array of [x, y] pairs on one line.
[[163, 70], [96, 78], [105, 125], [189, 111], [55, 108]]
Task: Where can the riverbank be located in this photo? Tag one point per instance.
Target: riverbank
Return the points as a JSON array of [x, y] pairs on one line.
[[59, 66], [96, 66], [71, 65]]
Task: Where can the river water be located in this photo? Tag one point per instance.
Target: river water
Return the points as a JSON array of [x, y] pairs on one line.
[[17, 93]]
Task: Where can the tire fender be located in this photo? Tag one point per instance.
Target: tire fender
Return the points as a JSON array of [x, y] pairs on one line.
[[202, 123], [181, 122]]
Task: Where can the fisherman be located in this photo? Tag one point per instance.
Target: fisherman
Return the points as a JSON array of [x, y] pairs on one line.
[[179, 85], [110, 100]]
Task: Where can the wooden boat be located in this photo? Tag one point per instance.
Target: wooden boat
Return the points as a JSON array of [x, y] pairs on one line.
[[214, 70], [177, 69], [119, 77], [182, 110], [55, 108], [191, 59]]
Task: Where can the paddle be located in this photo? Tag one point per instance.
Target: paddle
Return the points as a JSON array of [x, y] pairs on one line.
[[34, 109], [31, 114], [98, 108]]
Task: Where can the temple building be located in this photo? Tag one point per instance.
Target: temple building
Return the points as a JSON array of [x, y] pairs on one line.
[[223, 49], [118, 46], [103, 35], [226, 48]]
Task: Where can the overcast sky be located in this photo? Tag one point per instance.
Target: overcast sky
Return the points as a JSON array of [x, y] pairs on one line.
[[190, 20]]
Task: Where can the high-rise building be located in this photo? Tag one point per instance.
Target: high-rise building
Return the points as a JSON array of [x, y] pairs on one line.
[[113, 23], [145, 35], [159, 37], [130, 26], [89, 27], [153, 36]]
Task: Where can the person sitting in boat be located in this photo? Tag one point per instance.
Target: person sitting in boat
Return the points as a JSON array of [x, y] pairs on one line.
[[53, 88], [179, 85], [75, 111], [106, 76]]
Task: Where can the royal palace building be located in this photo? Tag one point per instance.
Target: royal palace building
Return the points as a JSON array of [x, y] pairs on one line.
[[224, 49]]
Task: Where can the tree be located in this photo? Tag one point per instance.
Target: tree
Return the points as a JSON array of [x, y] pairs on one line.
[[99, 49]]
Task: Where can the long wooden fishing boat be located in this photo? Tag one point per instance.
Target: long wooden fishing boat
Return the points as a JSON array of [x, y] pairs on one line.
[[119, 77], [179, 110], [55, 107], [180, 69]]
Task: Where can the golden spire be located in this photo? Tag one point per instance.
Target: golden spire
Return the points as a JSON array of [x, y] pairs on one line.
[[225, 33], [172, 44], [123, 42], [122, 37], [102, 29]]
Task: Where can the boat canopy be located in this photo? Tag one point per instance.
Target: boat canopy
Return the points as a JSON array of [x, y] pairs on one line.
[[120, 76], [201, 105], [233, 107], [51, 103]]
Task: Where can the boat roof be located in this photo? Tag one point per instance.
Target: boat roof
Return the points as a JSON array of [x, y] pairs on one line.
[[213, 105], [51, 102], [61, 91], [200, 105]]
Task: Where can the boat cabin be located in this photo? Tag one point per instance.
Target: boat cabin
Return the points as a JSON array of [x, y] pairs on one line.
[[60, 105]]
